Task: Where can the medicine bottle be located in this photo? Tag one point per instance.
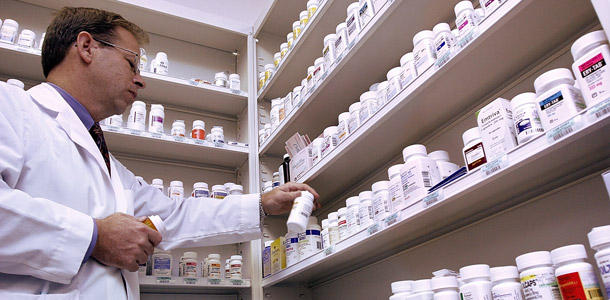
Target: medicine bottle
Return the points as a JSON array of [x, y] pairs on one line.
[[267, 187], [466, 21], [137, 116], [490, 6], [283, 49], [155, 223], [480, 14], [155, 118], [319, 69], [176, 190], [311, 82], [313, 236], [365, 211], [228, 186], [261, 80], [477, 284], [286, 107], [214, 266], [296, 29], [381, 200], [418, 174], [312, 6], [420, 290], [190, 264], [219, 192], [324, 234], [303, 19], [331, 140], [409, 72], [394, 84], [382, 94], [343, 128], [291, 242], [599, 239], [143, 57], [220, 79], [397, 196], [401, 289], [8, 32], [296, 96], [200, 190], [341, 41], [353, 22], [300, 213], [558, 99], [275, 180], [329, 49], [342, 222], [16, 82], [236, 189], [445, 167], [158, 183], [473, 152], [289, 40], [575, 276], [591, 54], [274, 114], [505, 283], [445, 288], [526, 117], [424, 53], [316, 150], [161, 64], [236, 267], [269, 68], [217, 134], [537, 276], [198, 131], [352, 215], [161, 263], [354, 117], [234, 82], [27, 38], [178, 128], [228, 268], [333, 228], [444, 43]]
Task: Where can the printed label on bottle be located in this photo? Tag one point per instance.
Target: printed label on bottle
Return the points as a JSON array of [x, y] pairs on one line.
[[161, 265], [507, 293], [339, 47], [393, 88], [8, 34], [424, 56], [527, 121], [352, 28], [190, 269], [541, 286], [365, 214], [407, 75], [594, 79], [491, 5], [198, 134], [397, 201], [200, 193], [354, 122], [343, 131], [475, 156], [603, 264], [214, 270], [579, 286], [219, 195]]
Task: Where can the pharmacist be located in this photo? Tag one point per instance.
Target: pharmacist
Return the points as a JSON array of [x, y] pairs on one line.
[[68, 228]]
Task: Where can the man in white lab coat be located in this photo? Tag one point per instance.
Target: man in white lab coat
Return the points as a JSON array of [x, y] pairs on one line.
[[68, 229]]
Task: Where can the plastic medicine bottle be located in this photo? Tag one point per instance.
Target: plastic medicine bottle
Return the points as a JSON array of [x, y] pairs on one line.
[[190, 264], [236, 189], [8, 32], [319, 69], [444, 43], [284, 49], [341, 41], [401, 289], [445, 288], [176, 190], [219, 192], [599, 239], [158, 183], [217, 134], [466, 21], [333, 228], [234, 82], [269, 68], [324, 234], [526, 117], [155, 223], [137, 116], [236, 267], [352, 217], [418, 174], [300, 213], [505, 283], [161, 263], [477, 284], [296, 29], [312, 6], [575, 276], [591, 54], [198, 131], [473, 152], [394, 82], [342, 223], [409, 72], [313, 236], [289, 40], [365, 211], [445, 167], [27, 38], [537, 276], [343, 127], [220, 79], [421, 290], [558, 99], [382, 93], [397, 197], [291, 242], [214, 266], [490, 6], [178, 128], [200, 190], [354, 117], [424, 52], [381, 200], [353, 22], [155, 118], [329, 49], [331, 140], [368, 105]]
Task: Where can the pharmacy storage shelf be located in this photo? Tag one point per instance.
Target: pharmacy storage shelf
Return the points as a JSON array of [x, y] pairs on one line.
[[488, 62], [141, 143], [23, 63], [531, 170], [181, 285], [307, 47]]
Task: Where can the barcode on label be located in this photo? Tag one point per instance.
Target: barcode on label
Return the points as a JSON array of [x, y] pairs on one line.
[[441, 61], [373, 229], [562, 133], [599, 110], [163, 279], [426, 178], [328, 251], [432, 198], [466, 39], [492, 170], [602, 112], [190, 280], [214, 281], [237, 282], [594, 293], [391, 220], [135, 132]]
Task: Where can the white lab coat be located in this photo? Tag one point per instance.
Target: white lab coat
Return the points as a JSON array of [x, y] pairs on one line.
[[53, 180]]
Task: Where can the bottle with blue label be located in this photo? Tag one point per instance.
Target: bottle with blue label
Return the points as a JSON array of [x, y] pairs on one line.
[[557, 99], [200, 190]]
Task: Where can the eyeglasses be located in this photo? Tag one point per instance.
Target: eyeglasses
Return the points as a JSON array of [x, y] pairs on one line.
[[135, 64]]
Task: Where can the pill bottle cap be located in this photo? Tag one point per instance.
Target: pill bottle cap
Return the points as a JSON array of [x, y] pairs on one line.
[[198, 123], [317, 142], [11, 22], [313, 220], [331, 130], [552, 76], [276, 56], [411, 150], [210, 256], [161, 251], [366, 195], [156, 220], [236, 187], [297, 89], [440, 155], [531, 259], [401, 286], [341, 27], [236, 257], [267, 126], [218, 188], [380, 185], [463, 5], [220, 75], [178, 123], [383, 85], [310, 69], [422, 35], [441, 27], [502, 273], [304, 82], [157, 181], [217, 129], [191, 255], [355, 107], [268, 243], [580, 47], [312, 2], [324, 223], [471, 135], [373, 87], [332, 217], [290, 36], [437, 283], [568, 253], [296, 24], [330, 37], [307, 195], [599, 235], [523, 98], [474, 271], [156, 107], [283, 46], [368, 96], [394, 72], [420, 286], [138, 103], [342, 211], [406, 58], [344, 116], [352, 7], [269, 66], [267, 184], [161, 56], [354, 200], [200, 185], [304, 15], [394, 170], [318, 61], [176, 183], [28, 32], [234, 76]]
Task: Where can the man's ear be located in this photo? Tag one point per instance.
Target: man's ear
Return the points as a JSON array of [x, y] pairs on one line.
[[84, 46]]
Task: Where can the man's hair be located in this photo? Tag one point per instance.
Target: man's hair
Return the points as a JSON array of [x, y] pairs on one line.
[[70, 21]]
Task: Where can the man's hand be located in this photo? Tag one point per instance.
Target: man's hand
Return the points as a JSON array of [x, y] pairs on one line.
[[280, 199], [123, 241]]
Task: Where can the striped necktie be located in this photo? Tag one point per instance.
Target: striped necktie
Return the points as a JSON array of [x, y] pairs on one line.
[[98, 136]]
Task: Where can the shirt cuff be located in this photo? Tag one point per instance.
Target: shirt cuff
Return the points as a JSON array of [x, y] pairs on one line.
[[92, 243]]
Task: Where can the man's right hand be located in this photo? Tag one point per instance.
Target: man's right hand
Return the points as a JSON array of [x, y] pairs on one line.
[[123, 241]]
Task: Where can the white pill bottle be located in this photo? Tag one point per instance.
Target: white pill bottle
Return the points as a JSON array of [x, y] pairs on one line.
[[599, 239], [575, 276]]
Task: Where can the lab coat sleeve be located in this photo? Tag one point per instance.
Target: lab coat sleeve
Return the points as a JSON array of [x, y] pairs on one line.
[[197, 222], [39, 237]]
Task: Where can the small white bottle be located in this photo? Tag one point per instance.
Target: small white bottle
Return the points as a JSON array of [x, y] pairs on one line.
[[267, 187], [352, 217], [365, 211], [421, 290], [161, 64], [178, 128], [228, 268], [234, 82], [354, 117], [599, 239], [445, 288], [368, 105], [198, 131], [296, 96], [341, 40], [409, 72], [418, 174], [382, 93], [313, 235], [300, 213], [155, 118], [394, 82], [176, 190], [591, 54], [505, 283], [161, 263], [558, 99], [158, 183], [296, 29], [353, 22], [333, 228], [316, 150], [312, 6], [277, 58], [274, 115], [445, 167], [526, 117], [269, 69], [444, 43], [27, 38], [319, 69], [401, 289], [8, 32], [473, 152], [137, 116], [324, 233], [200, 190], [537, 276], [143, 57], [289, 40], [217, 134], [397, 197], [381, 200], [466, 22], [304, 18], [342, 223], [331, 140], [575, 276], [236, 267], [190, 264], [329, 49], [343, 128], [115, 120], [424, 52], [284, 49], [236, 189], [214, 266], [477, 284], [220, 79], [291, 242], [219, 192]]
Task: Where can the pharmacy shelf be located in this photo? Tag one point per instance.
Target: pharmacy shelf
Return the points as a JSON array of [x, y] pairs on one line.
[[186, 28], [488, 62], [174, 285], [24, 63], [161, 147], [307, 47], [532, 170]]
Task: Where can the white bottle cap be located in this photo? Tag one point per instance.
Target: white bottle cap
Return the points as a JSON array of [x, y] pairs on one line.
[[156, 107], [394, 72], [568, 253], [290, 36], [380, 185], [138, 103], [220, 75], [192, 255], [317, 142], [324, 223], [277, 56], [344, 116], [267, 126], [355, 107], [176, 183], [418, 286], [11, 23], [366, 195], [284, 46], [319, 61], [157, 181], [16, 82], [599, 236], [331, 130], [236, 257], [471, 134], [354, 200], [304, 81], [580, 46], [332, 217], [352, 7], [440, 155], [441, 27], [161, 56], [268, 243], [200, 185], [296, 24], [310, 70], [156, 220], [267, 184], [234, 77], [502, 273], [330, 38], [437, 283], [236, 187], [368, 96], [531, 259], [297, 89], [218, 188], [342, 26], [462, 5], [304, 15], [373, 87], [342, 211], [474, 271], [523, 99], [383, 85], [401, 286], [406, 58], [551, 76], [178, 123], [269, 67], [422, 35], [198, 123], [394, 170], [411, 150], [210, 256], [159, 250]]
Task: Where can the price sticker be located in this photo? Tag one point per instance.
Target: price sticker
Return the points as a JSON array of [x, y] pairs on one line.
[[179, 139], [328, 251], [164, 279], [157, 135], [600, 110], [199, 142], [374, 229], [219, 145], [466, 39], [236, 92], [191, 281], [214, 281], [135, 132], [432, 198], [111, 128], [564, 129], [494, 166], [392, 219], [237, 282]]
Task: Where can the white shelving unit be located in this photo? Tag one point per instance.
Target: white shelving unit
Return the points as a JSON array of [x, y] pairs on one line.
[[182, 285]]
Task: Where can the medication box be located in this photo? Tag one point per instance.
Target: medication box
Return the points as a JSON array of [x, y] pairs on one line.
[[278, 255], [300, 163], [267, 262], [495, 122]]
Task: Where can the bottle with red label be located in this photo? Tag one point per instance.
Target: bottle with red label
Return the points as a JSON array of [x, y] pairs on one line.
[[198, 131], [575, 276], [590, 68]]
